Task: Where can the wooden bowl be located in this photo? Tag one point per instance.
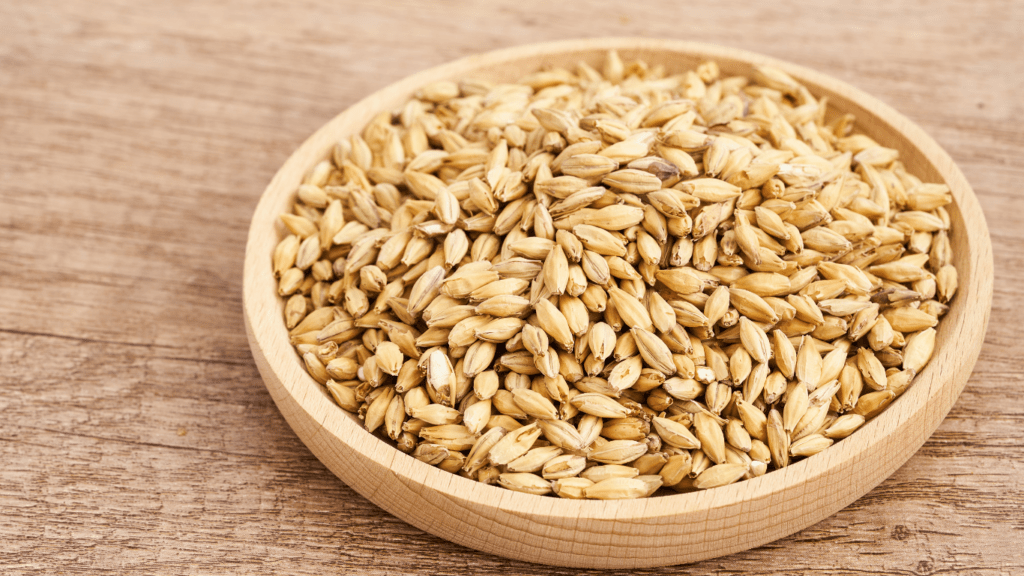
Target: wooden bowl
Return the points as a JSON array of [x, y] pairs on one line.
[[627, 533]]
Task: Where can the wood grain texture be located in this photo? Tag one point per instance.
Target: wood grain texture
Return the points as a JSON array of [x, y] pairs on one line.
[[135, 139], [630, 533]]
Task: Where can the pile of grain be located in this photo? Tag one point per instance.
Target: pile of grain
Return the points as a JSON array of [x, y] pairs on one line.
[[602, 283]]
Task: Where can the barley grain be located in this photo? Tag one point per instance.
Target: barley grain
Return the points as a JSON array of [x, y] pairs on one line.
[[695, 277]]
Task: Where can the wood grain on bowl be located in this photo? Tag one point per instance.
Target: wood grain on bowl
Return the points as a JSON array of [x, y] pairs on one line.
[[667, 530]]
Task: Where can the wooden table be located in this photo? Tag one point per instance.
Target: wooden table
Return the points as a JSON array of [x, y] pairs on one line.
[[135, 138]]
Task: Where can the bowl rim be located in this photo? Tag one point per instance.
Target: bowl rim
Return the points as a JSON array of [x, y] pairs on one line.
[[929, 386]]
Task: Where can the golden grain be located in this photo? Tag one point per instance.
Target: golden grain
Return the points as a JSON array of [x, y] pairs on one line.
[[687, 284]]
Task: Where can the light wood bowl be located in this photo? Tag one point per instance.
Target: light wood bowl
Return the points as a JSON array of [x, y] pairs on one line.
[[633, 533]]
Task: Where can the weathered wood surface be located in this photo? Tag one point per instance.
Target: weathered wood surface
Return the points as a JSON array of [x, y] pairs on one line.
[[136, 435]]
